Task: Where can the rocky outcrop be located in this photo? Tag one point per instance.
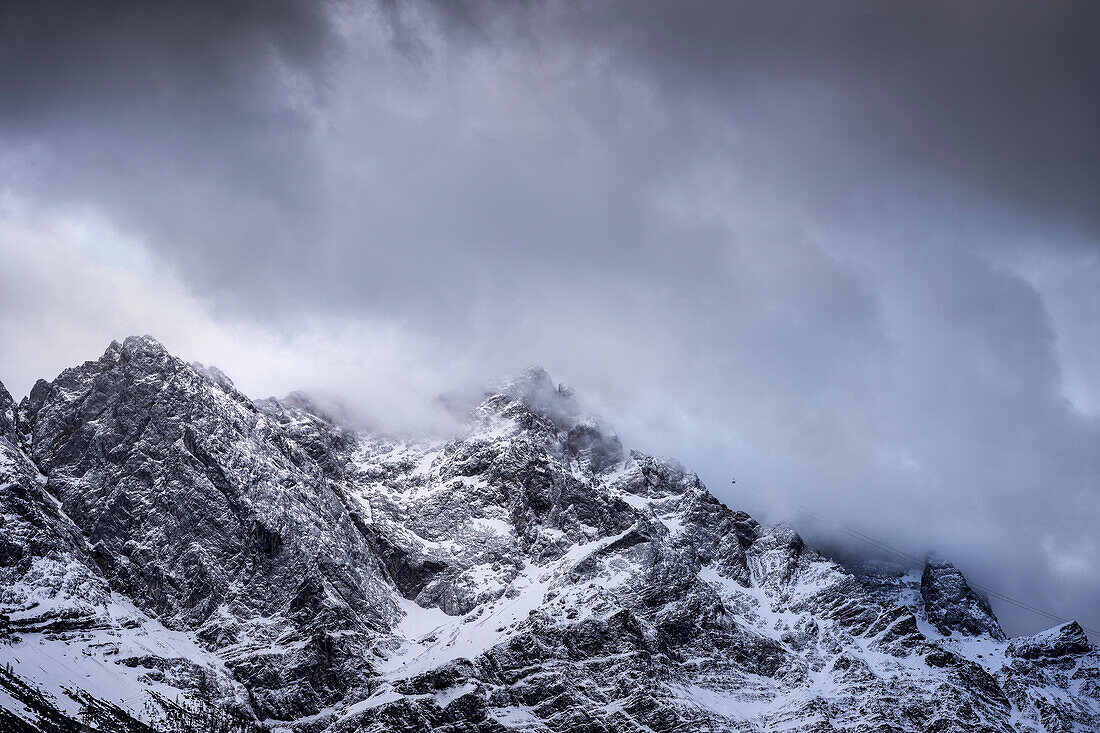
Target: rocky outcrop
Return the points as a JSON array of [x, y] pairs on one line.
[[1067, 640], [46, 578], [7, 417], [269, 562], [206, 514], [953, 607]]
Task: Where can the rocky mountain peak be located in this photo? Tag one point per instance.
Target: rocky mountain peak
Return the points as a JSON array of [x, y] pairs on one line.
[[1061, 641], [114, 399], [145, 346], [142, 354], [536, 404], [952, 605], [217, 376], [163, 537], [533, 390], [325, 406], [7, 415]]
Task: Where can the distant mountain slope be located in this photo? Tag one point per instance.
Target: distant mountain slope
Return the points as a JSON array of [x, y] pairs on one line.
[[176, 555]]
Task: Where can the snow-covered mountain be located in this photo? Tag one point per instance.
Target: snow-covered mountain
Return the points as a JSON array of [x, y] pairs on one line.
[[177, 556]]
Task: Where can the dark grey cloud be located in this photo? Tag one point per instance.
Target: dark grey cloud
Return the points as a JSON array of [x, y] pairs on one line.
[[1003, 95], [846, 252], [64, 62], [120, 102]]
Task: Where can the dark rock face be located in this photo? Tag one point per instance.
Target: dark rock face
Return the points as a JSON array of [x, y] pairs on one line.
[[1067, 640], [264, 563], [209, 518], [952, 606], [7, 417], [41, 550]]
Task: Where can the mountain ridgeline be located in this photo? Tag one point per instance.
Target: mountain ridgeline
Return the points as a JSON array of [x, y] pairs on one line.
[[175, 556]]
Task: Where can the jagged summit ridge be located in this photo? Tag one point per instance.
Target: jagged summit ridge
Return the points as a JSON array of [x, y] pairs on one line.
[[204, 514], [533, 402], [534, 388], [953, 607], [271, 566]]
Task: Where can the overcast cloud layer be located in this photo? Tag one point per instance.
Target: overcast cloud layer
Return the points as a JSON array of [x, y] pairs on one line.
[[848, 253]]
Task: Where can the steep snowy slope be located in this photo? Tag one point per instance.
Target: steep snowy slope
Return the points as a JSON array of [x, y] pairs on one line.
[[98, 657], [263, 561]]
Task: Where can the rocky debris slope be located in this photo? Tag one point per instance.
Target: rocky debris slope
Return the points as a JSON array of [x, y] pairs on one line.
[[264, 562]]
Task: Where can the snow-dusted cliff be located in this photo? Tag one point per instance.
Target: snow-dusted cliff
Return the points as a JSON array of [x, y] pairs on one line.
[[173, 554]]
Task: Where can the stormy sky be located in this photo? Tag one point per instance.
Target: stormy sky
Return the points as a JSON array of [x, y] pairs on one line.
[[846, 252]]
